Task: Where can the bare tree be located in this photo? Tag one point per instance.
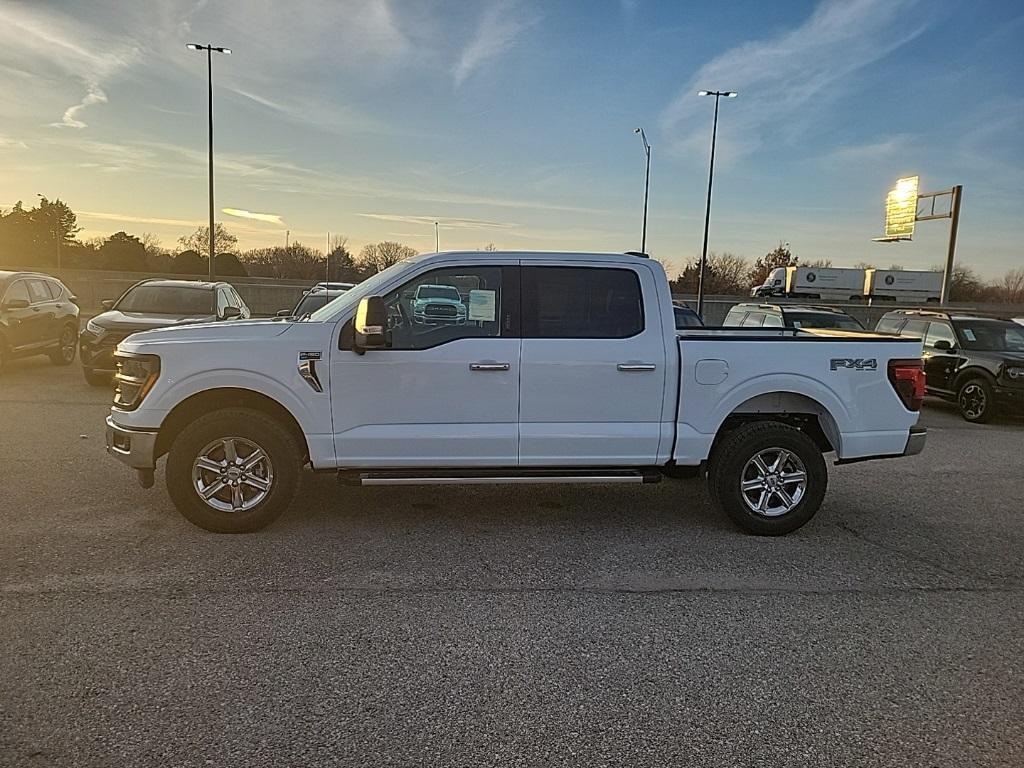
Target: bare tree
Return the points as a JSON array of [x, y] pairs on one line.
[[490, 247], [1012, 288], [199, 241], [780, 256], [821, 264], [376, 257], [862, 265]]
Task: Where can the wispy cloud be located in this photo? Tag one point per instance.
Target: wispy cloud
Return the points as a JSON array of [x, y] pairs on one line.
[[70, 118], [240, 213], [443, 221], [499, 29], [6, 143], [780, 78]]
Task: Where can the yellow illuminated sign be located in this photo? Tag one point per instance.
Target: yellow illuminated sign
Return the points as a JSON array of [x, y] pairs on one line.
[[901, 208]]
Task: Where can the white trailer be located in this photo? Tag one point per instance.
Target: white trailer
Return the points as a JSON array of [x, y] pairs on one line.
[[912, 287], [826, 283]]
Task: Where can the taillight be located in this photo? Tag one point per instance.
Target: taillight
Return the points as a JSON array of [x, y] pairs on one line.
[[907, 378]]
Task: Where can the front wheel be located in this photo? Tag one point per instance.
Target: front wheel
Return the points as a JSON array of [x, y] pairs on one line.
[[234, 471], [976, 401], [768, 477], [67, 345]]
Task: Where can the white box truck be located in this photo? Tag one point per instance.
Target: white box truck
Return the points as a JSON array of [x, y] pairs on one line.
[[827, 283], [911, 287]]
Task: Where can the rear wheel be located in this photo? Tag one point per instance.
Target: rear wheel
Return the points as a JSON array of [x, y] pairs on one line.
[[234, 471], [976, 401], [67, 345], [768, 477]]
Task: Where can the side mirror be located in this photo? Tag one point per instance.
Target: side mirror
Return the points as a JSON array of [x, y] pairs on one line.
[[107, 305], [371, 323], [943, 346], [230, 313], [17, 304]]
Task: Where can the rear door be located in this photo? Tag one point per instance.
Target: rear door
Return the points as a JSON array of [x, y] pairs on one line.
[[44, 311], [593, 367]]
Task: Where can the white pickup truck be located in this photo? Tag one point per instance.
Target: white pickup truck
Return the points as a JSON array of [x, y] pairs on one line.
[[563, 368]]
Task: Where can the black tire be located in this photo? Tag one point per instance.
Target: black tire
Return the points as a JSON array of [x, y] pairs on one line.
[[976, 401], [244, 426], [732, 463], [67, 346], [97, 378]]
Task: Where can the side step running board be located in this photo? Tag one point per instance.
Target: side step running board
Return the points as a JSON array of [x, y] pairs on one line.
[[507, 477]]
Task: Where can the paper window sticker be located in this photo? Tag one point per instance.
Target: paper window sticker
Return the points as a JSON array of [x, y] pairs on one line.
[[482, 305]]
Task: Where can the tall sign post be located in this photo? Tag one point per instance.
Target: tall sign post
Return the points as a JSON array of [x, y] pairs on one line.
[[904, 206]]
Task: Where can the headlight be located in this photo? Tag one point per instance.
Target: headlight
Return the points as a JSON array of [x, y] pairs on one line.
[[1015, 372], [136, 375], [93, 327]]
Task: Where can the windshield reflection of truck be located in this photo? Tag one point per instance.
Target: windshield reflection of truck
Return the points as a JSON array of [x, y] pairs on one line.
[[438, 305]]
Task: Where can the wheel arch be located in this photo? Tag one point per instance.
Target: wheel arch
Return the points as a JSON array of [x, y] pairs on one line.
[[793, 408], [972, 372], [212, 400]]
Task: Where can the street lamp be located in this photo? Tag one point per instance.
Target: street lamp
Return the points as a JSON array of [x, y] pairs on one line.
[[209, 75], [707, 213], [437, 239], [647, 184]]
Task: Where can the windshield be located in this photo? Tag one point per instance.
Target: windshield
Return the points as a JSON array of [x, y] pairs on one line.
[[311, 302], [990, 335], [369, 287], [822, 320], [437, 292], [167, 300]]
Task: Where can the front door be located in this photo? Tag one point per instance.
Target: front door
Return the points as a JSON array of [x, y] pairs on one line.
[[593, 367], [445, 393], [24, 327], [940, 365]]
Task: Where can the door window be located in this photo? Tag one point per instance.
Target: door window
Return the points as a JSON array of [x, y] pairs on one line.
[[753, 320], [581, 303], [56, 289], [17, 291], [772, 321], [445, 305], [939, 332], [222, 302], [38, 291]]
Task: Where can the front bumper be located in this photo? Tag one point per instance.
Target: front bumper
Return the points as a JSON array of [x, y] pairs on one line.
[[136, 448], [1010, 398]]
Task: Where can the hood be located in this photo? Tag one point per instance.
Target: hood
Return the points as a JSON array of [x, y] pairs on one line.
[[440, 300], [228, 330], [116, 320]]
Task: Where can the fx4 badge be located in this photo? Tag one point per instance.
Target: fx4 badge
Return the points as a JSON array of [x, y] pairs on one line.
[[854, 363]]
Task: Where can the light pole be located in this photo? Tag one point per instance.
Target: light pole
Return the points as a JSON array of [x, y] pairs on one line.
[[647, 184], [437, 239], [707, 213], [209, 76]]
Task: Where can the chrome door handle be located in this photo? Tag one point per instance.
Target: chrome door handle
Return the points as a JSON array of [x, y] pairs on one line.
[[634, 367], [489, 366]]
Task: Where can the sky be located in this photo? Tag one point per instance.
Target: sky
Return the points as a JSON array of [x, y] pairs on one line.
[[512, 122]]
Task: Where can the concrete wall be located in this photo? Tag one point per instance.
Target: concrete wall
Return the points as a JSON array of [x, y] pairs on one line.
[[717, 307], [264, 295]]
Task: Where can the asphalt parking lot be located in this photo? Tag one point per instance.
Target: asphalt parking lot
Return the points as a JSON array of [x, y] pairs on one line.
[[490, 626]]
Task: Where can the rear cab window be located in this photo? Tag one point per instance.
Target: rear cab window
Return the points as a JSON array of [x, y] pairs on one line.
[[581, 303]]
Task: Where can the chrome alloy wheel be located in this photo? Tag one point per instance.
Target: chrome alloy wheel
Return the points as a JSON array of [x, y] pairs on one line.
[[972, 401], [232, 474], [773, 482]]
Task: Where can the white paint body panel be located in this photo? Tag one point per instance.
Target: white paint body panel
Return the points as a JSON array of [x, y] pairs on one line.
[[563, 402]]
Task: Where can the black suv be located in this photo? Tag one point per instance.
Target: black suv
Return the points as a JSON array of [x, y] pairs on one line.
[[38, 316], [976, 361], [789, 316], [152, 304]]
